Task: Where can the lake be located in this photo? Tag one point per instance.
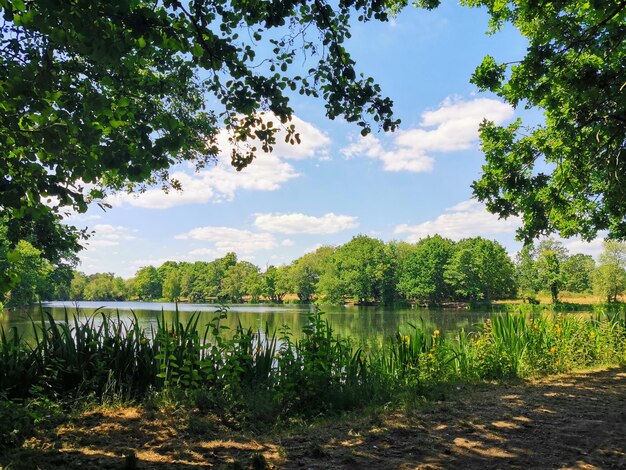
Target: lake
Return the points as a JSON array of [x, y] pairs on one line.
[[361, 323]]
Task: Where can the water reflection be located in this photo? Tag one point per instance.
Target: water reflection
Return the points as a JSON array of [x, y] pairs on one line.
[[369, 324]]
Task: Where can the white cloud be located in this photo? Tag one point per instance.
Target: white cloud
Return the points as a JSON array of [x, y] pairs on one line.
[[287, 242], [300, 223], [75, 217], [313, 142], [268, 172], [467, 219], [576, 245], [227, 239], [219, 183], [451, 127], [106, 235]]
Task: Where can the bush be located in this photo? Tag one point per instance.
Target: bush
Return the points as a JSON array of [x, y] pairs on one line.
[[16, 424]]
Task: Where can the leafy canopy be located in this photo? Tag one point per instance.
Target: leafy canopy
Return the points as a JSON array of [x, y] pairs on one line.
[[567, 175], [105, 95]]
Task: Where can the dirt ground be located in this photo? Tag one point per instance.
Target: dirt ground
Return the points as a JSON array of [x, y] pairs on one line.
[[573, 421]]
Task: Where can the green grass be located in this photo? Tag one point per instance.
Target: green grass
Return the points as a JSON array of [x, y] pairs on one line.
[[258, 377]]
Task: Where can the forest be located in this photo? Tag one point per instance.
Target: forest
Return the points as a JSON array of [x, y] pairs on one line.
[[364, 271]]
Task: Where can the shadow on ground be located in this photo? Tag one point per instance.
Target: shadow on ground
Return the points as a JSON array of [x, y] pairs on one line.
[[575, 421]]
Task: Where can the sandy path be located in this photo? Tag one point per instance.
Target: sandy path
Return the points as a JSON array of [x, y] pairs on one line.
[[574, 421]]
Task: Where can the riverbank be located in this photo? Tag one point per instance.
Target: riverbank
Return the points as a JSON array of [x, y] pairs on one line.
[[576, 420]]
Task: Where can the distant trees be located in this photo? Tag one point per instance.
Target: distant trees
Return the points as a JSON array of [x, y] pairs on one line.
[[609, 279], [421, 275], [577, 272], [481, 269], [550, 267], [365, 270]]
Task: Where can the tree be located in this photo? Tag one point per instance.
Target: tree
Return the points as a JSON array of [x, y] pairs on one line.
[[32, 272], [171, 285], [305, 272], [609, 279], [551, 255], [104, 286], [527, 273], [148, 283], [577, 271], [422, 272], [362, 269], [108, 95], [77, 286], [237, 279], [566, 175], [283, 283], [481, 269]]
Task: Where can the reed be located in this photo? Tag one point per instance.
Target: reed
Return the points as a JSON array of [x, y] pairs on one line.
[[256, 376]]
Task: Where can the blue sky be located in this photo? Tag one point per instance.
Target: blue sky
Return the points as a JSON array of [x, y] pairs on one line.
[[335, 185]]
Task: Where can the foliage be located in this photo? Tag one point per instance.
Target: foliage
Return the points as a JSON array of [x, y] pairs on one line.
[[305, 272], [32, 271], [108, 95], [480, 269], [577, 271], [549, 270], [257, 377], [171, 286], [99, 286], [240, 279], [16, 424], [527, 274], [148, 283], [609, 278], [567, 174], [364, 270], [422, 270]]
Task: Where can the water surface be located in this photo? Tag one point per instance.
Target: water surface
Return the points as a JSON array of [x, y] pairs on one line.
[[361, 323]]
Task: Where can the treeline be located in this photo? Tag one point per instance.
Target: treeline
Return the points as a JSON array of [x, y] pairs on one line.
[[365, 270]]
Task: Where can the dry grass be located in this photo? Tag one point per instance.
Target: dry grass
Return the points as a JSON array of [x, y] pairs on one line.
[[569, 421]]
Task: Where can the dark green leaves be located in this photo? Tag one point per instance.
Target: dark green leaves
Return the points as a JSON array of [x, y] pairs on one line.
[[113, 93], [567, 175]]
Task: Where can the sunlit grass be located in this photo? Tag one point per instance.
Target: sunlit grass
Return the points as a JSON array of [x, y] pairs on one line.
[[255, 377]]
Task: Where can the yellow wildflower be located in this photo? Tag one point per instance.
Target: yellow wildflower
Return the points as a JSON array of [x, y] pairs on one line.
[[405, 339], [553, 350], [436, 333], [558, 329]]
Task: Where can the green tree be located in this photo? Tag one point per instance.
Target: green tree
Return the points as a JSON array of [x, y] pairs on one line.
[[32, 271], [567, 174], [481, 269], [422, 271], [305, 272], [104, 286], [283, 283], [172, 285], [148, 283], [609, 279], [77, 286], [551, 255], [108, 95], [577, 270], [527, 272], [362, 269], [237, 279]]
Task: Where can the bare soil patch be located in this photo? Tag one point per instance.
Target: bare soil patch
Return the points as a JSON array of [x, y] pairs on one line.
[[572, 421]]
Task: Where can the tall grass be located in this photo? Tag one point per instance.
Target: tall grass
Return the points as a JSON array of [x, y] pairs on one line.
[[256, 376]]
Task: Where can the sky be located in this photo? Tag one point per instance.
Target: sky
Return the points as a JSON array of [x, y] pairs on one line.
[[336, 185]]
